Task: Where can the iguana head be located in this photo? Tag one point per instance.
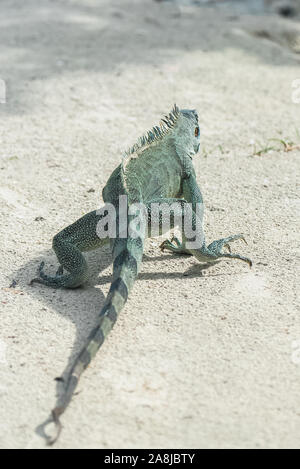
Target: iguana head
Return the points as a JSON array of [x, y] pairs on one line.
[[179, 128], [176, 136], [187, 132]]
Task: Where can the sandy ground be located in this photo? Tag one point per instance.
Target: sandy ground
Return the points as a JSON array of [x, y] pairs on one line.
[[198, 358]]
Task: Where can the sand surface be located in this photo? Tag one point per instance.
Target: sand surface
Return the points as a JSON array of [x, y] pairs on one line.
[[199, 357]]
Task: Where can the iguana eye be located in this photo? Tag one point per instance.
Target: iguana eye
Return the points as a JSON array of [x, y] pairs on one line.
[[196, 131]]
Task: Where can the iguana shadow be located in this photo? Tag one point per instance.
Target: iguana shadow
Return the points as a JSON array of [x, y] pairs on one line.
[[89, 299], [84, 310]]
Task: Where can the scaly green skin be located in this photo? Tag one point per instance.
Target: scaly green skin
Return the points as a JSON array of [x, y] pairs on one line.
[[157, 169]]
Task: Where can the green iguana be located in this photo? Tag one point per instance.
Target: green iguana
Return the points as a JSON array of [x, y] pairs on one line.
[[156, 170]]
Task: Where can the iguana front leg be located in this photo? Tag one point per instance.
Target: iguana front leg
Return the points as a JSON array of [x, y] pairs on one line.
[[205, 255], [212, 252], [68, 245]]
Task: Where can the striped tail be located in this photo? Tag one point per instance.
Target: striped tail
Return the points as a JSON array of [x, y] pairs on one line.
[[127, 257]]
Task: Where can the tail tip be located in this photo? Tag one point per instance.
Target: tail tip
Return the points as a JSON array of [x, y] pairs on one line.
[[58, 426]]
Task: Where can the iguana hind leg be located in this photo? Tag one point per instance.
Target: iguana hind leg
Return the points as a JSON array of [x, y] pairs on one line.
[[68, 245]]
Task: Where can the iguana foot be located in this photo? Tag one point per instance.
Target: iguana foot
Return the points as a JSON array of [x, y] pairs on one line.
[[208, 254], [59, 281], [215, 248], [170, 246]]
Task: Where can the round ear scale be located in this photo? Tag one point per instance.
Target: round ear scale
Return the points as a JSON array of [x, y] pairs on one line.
[[197, 130]]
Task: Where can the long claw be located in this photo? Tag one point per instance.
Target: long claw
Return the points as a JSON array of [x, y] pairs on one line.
[[40, 272], [35, 280], [244, 239], [162, 246], [176, 240], [59, 271], [238, 256], [246, 259], [165, 244]]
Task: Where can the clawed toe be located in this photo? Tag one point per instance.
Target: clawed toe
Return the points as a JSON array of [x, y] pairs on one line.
[[166, 244], [36, 280], [59, 271], [238, 256], [41, 273], [229, 239], [242, 237], [218, 245], [246, 259], [175, 247], [216, 248], [176, 240]]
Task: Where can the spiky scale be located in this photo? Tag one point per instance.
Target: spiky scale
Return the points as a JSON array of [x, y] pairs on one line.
[[166, 122], [157, 131]]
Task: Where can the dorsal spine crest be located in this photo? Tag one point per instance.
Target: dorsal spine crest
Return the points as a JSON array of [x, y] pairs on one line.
[[155, 134]]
